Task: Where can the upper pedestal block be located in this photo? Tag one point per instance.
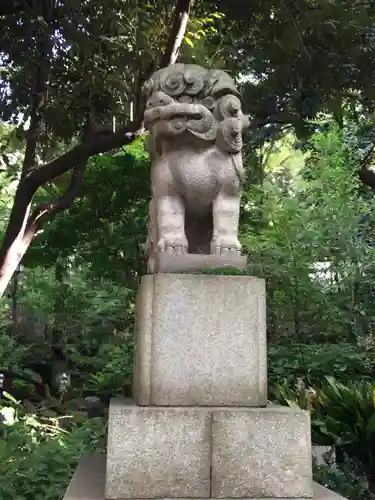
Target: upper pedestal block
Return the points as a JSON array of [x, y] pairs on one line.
[[200, 341]]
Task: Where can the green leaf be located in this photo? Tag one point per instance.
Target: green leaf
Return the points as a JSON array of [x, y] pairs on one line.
[[10, 397], [188, 41]]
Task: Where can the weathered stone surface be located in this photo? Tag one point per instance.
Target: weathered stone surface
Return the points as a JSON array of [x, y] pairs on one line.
[[88, 483], [193, 263], [143, 342], [196, 124], [263, 453], [88, 480], [201, 340], [322, 493], [157, 452]]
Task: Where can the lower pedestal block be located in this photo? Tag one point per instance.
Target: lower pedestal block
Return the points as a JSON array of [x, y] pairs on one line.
[[89, 479], [197, 452], [157, 452], [263, 453]]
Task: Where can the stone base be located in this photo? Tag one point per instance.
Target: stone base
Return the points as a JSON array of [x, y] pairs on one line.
[[200, 341], [179, 452], [193, 263], [88, 483], [157, 452]]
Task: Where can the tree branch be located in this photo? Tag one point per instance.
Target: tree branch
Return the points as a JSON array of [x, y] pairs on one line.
[[18, 218], [48, 210], [21, 228], [95, 144], [177, 33], [37, 177], [43, 48]]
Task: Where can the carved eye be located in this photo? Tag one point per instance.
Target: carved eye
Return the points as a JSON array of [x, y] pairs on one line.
[[209, 102]]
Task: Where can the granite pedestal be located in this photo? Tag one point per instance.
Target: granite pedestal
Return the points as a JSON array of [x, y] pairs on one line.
[[198, 426], [200, 340], [88, 483], [196, 452]]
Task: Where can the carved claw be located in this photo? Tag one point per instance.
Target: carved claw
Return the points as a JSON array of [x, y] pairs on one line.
[[173, 244], [224, 245]]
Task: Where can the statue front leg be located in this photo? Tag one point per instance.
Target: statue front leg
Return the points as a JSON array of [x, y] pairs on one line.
[[171, 224], [226, 212]]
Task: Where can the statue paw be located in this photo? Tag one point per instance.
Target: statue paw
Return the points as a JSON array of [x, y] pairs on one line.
[[224, 245], [173, 244]]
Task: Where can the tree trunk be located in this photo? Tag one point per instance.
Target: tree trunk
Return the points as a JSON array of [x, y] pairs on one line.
[[15, 243]]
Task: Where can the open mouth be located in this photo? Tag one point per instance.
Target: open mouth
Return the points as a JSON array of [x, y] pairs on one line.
[[171, 112]]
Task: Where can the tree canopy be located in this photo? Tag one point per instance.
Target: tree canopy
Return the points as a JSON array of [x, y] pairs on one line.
[[72, 73]]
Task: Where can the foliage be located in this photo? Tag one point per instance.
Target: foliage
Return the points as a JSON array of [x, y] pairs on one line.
[[37, 456], [346, 415], [313, 362], [107, 373], [297, 395], [91, 324], [96, 60], [90, 320], [107, 225], [342, 415], [307, 233], [12, 352], [300, 395], [347, 479], [302, 59]]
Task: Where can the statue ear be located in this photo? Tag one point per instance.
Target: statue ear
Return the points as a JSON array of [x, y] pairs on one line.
[[147, 88]]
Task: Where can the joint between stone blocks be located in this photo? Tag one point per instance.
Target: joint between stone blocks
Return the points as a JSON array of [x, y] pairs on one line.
[[210, 454]]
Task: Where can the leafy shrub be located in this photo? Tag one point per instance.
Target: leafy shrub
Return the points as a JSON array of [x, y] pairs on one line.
[[313, 362], [342, 415], [115, 374], [107, 373], [347, 479], [299, 395], [37, 457], [346, 415], [12, 353]]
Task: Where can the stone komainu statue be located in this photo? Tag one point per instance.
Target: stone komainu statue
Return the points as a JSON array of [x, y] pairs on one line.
[[195, 121]]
